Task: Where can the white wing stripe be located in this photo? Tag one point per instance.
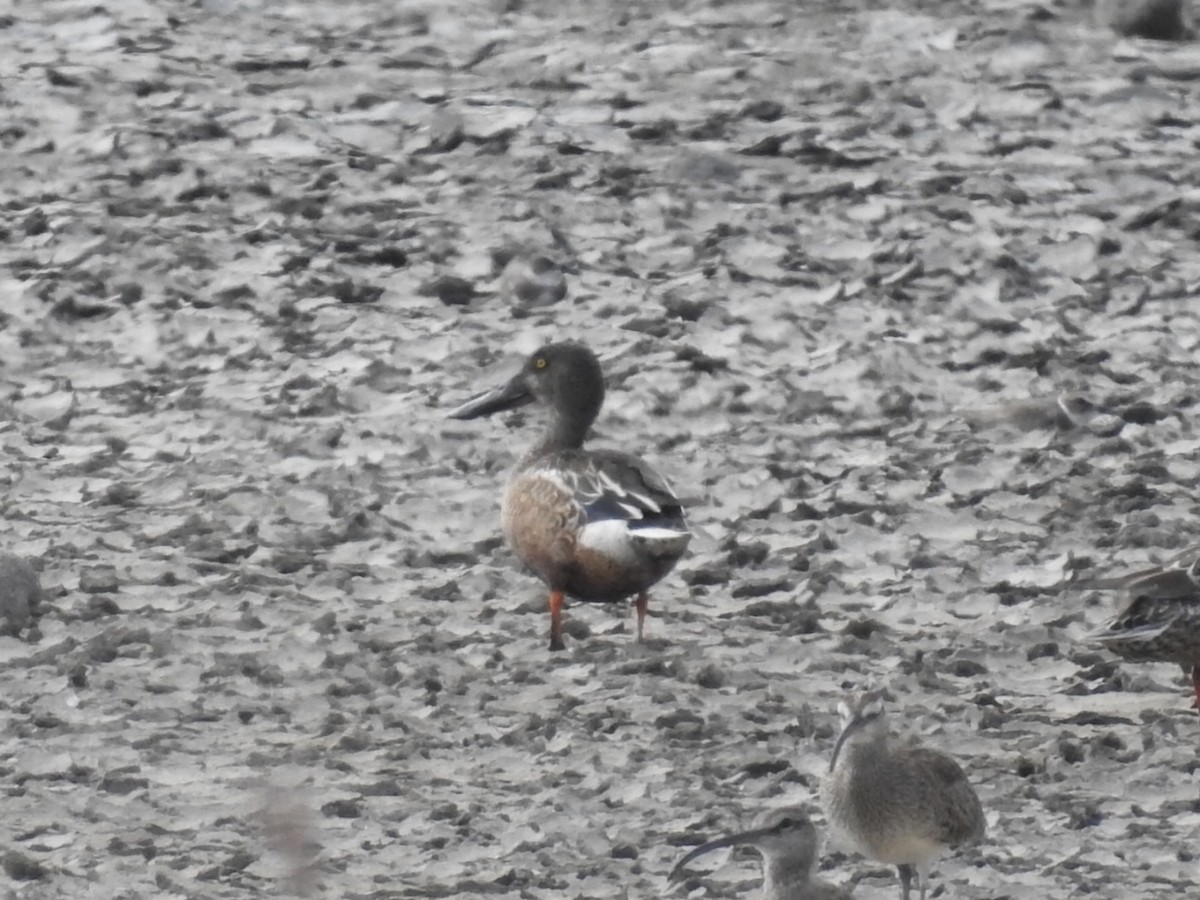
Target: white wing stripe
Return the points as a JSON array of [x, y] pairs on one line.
[[658, 534], [594, 484]]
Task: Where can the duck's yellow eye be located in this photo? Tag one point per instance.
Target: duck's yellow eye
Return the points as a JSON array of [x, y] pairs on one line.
[[540, 363]]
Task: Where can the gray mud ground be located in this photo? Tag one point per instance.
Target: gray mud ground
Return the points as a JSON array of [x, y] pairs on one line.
[[820, 247]]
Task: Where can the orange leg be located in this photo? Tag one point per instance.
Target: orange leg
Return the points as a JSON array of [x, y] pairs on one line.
[[641, 604], [556, 621]]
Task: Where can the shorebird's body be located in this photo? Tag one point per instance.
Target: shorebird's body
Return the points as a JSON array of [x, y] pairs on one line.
[[898, 802], [787, 842], [597, 525]]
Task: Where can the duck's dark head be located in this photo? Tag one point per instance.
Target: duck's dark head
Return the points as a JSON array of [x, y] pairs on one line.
[[565, 377]]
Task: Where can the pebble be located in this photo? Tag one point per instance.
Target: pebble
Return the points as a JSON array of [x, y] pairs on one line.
[[1160, 20], [20, 593]]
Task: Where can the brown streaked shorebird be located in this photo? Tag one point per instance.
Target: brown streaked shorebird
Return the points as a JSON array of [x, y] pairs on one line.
[[1162, 621], [596, 525], [787, 842], [897, 801]]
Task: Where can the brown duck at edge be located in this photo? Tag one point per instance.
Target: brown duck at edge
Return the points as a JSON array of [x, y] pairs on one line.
[[1161, 623]]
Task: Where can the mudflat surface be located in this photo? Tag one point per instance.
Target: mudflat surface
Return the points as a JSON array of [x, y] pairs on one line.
[[821, 248]]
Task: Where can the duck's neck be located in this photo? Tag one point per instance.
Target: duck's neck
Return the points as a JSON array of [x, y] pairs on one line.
[[566, 432]]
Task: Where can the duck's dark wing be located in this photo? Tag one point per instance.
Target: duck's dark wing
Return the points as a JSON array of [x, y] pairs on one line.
[[609, 484]]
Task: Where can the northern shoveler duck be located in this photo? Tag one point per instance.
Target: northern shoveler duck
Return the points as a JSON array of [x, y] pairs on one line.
[[787, 842], [1162, 621], [596, 525]]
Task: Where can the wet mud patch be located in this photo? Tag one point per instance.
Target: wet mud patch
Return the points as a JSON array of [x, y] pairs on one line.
[[850, 271]]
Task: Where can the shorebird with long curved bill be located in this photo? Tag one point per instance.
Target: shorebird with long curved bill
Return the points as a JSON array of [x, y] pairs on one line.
[[897, 801]]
